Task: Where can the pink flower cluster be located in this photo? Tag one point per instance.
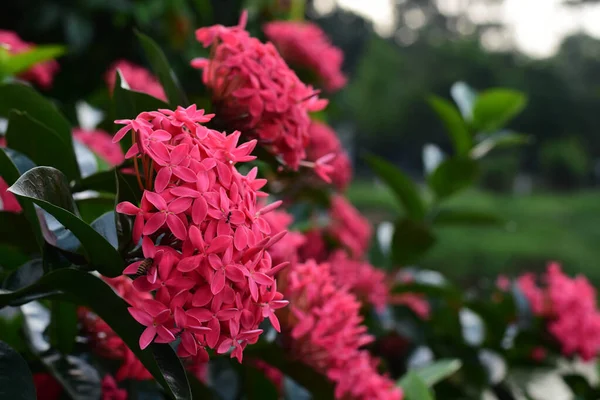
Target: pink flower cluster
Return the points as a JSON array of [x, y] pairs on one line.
[[100, 142], [360, 278], [110, 390], [414, 301], [105, 341], [287, 248], [569, 305], [305, 45], [327, 334], [42, 73], [204, 240], [255, 91], [138, 78], [323, 143], [351, 229]]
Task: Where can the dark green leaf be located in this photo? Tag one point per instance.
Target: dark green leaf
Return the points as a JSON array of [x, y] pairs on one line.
[[402, 186], [92, 292], [172, 370], [496, 107], [460, 217], [498, 140], [166, 76], [127, 190], [438, 371], [453, 175], [16, 380], [454, 124], [411, 240], [63, 325], [15, 231], [25, 99], [10, 174], [21, 62], [27, 274], [580, 386], [128, 104], [93, 207], [79, 379], [48, 188], [414, 387], [20, 161], [41, 144], [257, 386]]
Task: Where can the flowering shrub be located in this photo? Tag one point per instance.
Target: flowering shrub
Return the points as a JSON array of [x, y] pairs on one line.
[[209, 246]]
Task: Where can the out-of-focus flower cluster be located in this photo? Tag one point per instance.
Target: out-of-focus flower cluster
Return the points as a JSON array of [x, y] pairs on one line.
[[569, 306], [204, 239], [137, 78], [100, 142], [325, 143], [255, 91], [305, 45], [327, 333], [42, 73]]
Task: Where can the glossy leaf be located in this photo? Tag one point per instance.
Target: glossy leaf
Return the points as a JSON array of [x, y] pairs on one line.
[[438, 371], [400, 184], [464, 96], [411, 240], [91, 208], [92, 292], [166, 76], [499, 140], [496, 107], [16, 380], [172, 370], [462, 141], [48, 188], [414, 387], [63, 325], [41, 144], [27, 274], [464, 217], [17, 63], [127, 190], [453, 175], [10, 174]]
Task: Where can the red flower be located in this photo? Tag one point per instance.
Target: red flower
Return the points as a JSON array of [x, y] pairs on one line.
[[305, 45], [42, 73], [110, 390], [325, 143], [256, 92], [138, 79], [349, 227]]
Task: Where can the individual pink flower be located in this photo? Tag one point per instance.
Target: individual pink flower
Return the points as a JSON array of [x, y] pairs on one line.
[[100, 142], [8, 201], [569, 308], [326, 332], [360, 278], [42, 73], [205, 241], [348, 227], [254, 91], [138, 78], [324, 142], [304, 45], [110, 390]]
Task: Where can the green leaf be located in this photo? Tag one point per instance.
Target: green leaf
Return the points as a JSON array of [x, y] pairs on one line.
[[27, 274], [16, 380], [257, 386], [414, 387], [47, 187], [10, 174], [464, 96], [463, 217], [403, 187], [41, 144], [16, 232], [166, 76], [128, 104], [25, 99], [411, 240], [499, 140], [127, 190], [92, 292], [454, 124], [93, 207], [453, 175], [63, 326], [496, 107], [438, 371], [17, 63]]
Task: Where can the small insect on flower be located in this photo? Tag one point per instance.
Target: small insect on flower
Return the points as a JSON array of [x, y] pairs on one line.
[[143, 267], [228, 217]]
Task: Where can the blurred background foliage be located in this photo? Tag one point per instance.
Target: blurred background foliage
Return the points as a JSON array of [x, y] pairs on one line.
[[546, 190]]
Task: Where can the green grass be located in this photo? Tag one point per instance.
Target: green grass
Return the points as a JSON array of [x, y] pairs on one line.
[[540, 227]]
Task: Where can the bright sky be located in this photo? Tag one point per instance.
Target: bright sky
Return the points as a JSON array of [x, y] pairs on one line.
[[536, 26]]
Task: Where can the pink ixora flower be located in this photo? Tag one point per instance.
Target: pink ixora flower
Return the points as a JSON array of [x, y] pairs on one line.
[[138, 78], [569, 307], [205, 241], [305, 45], [326, 332], [255, 91], [324, 142], [42, 73], [349, 227], [100, 142]]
